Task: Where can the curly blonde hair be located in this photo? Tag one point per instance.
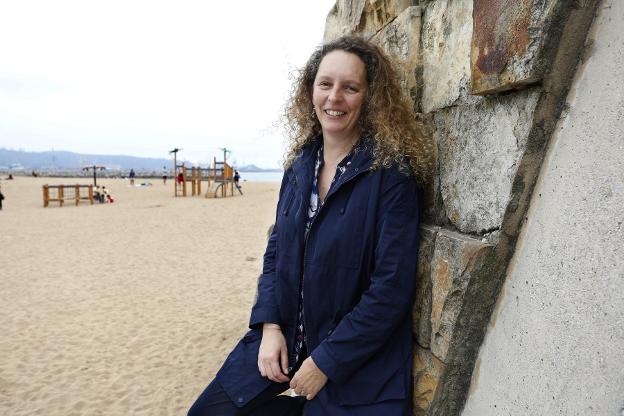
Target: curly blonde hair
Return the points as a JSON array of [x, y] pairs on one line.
[[387, 116]]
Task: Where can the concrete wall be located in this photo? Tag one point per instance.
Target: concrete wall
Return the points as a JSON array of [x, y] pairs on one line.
[[555, 344]]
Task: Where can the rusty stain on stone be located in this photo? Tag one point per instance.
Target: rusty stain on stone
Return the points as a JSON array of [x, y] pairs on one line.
[[500, 35], [442, 284], [427, 373]]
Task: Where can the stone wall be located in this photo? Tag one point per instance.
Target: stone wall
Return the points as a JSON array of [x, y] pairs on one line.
[[555, 344], [491, 76]]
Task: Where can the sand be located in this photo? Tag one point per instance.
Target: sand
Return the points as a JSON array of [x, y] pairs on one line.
[[126, 308]]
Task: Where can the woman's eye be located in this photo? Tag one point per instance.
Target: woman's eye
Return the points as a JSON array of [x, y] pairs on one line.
[[352, 89], [323, 84]]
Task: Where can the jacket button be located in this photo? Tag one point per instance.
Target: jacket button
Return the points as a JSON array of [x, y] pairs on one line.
[[240, 400], [341, 211], [330, 332]]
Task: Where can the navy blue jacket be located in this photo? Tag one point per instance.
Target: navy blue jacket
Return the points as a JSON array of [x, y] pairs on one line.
[[359, 268]]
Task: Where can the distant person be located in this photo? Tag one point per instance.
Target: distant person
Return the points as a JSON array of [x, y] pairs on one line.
[[131, 176], [180, 178], [10, 177], [164, 175], [34, 174], [99, 194], [106, 197], [236, 180], [1, 199], [96, 194]]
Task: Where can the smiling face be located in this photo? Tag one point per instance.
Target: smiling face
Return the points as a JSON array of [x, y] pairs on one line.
[[338, 95]]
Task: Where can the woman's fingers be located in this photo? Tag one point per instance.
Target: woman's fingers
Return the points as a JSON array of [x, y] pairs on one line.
[[284, 360], [294, 383], [273, 355], [297, 386], [278, 376], [309, 380], [272, 371], [261, 369], [270, 368]]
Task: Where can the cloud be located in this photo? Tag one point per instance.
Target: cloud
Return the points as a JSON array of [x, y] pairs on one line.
[[24, 87], [146, 76]]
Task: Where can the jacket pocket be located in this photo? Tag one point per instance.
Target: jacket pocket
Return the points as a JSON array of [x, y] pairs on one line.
[[375, 382], [239, 376]]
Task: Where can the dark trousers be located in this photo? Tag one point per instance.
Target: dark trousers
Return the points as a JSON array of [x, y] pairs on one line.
[[215, 402]]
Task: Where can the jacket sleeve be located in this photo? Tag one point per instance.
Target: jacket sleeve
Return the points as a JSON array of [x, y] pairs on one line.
[[390, 296], [265, 307]]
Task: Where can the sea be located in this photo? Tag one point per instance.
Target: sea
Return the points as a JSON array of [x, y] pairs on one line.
[[261, 176]]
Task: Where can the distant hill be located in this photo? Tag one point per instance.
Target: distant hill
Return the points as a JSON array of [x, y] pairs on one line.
[[61, 160], [254, 168]]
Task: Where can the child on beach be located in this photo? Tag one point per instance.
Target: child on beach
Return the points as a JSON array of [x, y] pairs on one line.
[[97, 194], [106, 195], [236, 181]]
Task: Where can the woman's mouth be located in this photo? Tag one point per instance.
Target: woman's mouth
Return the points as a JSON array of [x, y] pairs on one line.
[[335, 113]]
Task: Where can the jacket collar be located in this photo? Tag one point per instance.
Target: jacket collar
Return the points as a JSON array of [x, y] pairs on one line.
[[303, 165]]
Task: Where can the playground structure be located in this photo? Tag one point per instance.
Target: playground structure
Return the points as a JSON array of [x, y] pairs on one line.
[[67, 193], [219, 178], [94, 168]]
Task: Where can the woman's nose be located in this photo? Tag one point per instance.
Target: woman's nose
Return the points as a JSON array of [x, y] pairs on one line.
[[335, 94]]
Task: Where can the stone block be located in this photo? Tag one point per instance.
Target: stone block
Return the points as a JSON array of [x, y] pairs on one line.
[[457, 259], [427, 373], [401, 40], [364, 17], [422, 304], [507, 43], [479, 147], [433, 204], [446, 37], [342, 19]]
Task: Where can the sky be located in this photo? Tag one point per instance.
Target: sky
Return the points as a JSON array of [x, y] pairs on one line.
[[139, 78]]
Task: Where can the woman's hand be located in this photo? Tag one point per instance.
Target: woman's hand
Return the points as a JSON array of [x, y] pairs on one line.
[[309, 380], [273, 354]]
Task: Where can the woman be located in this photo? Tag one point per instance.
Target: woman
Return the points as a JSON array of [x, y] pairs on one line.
[[332, 319]]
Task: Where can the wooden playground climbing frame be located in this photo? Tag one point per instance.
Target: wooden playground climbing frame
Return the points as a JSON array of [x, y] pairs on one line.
[[219, 180], [66, 193]]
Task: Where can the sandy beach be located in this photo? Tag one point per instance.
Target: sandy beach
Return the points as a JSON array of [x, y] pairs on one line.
[[126, 308]]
